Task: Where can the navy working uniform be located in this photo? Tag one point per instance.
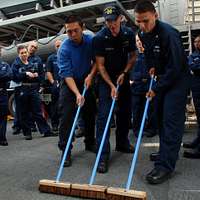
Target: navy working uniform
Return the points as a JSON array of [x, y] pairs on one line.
[[36, 61], [52, 66], [194, 63], [139, 78], [115, 51], [17, 121], [28, 94], [5, 76], [74, 61], [164, 52]]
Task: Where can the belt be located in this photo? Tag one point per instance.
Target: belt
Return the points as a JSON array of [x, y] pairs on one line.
[[30, 84]]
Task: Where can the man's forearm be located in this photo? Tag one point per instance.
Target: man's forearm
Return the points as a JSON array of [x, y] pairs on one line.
[[130, 62], [105, 75], [100, 66], [72, 85], [50, 77], [93, 71]]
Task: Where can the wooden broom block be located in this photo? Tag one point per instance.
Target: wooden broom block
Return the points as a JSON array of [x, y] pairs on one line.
[[51, 186], [122, 194], [88, 191]]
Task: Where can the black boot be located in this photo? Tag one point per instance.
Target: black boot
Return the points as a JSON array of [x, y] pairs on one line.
[[103, 164], [193, 154], [154, 156], [49, 134], [28, 137], [3, 143], [16, 131], [68, 160], [193, 144], [55, 129], [157, 176]]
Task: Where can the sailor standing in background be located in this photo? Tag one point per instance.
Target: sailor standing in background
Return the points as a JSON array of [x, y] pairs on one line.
[[194, 63], [30, 75], [139, 78], [5, 76], [54, 79]]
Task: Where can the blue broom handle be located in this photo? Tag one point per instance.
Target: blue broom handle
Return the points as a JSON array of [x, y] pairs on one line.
[[69, 139], [94, 171], [135, 155]]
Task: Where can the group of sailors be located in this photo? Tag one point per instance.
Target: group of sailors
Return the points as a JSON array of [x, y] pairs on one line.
[[115, 63]]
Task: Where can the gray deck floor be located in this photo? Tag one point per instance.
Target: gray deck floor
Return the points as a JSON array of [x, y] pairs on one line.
[[24, 163]]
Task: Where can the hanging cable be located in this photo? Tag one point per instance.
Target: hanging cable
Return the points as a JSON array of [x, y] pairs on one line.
[[20, 39]]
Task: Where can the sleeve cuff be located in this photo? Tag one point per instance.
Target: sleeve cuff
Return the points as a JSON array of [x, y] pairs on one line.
[[66, 75]]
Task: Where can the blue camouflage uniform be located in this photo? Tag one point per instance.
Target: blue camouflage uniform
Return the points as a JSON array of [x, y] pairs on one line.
[[28, 95], [52, 66], [194, 64], [165, 52], [17, 121], [140, 77], [141, 80], [115, 51], [5, 76], [36, 60]]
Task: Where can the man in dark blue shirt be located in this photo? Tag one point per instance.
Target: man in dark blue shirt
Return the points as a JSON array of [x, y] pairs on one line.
[[54, 79], [194, 63], [33, 58], [114, 47], [37, 62], [5, 76], [165, 58], [76, 70]]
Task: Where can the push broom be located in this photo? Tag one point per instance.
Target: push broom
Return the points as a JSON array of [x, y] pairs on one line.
[[89, 190], [127, 194], [55, 186], [97, 191], [80, 190]]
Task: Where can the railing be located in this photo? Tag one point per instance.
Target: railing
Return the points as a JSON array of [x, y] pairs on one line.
[[193, 11]]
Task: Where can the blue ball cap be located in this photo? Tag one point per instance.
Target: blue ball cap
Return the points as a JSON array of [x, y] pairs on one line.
[[111, 12]]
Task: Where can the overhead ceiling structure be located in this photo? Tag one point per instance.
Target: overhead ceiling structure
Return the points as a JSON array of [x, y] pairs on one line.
[[26, 20]]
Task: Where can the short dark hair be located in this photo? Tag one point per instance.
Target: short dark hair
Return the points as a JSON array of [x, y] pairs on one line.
[[73, 18], [20, 47], [144, 6]]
